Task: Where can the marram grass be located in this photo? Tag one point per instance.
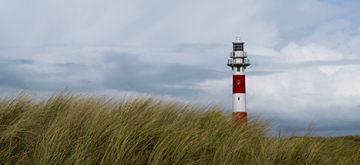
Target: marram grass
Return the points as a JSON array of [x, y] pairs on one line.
[[68, 128]]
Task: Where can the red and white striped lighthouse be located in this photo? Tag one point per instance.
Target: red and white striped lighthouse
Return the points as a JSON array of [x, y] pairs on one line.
[[238, 64]]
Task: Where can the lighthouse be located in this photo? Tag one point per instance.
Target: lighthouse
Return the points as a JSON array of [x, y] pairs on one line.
[[238, 64]]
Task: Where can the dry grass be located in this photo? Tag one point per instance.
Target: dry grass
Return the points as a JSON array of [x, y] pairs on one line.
[[68, 128]]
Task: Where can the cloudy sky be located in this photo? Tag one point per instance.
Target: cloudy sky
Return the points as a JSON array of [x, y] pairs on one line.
[[305, 54]]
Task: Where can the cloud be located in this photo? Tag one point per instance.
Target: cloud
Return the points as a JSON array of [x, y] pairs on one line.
[[11, 75], [304, 54], [310, 52], [127, 72]]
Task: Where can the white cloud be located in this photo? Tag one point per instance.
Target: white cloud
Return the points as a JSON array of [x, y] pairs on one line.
[[329, 70], [39, 23], [216, 90], [289, 35], [309, 52], [346, 83]]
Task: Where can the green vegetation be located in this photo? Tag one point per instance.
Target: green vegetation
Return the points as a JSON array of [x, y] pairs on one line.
[[68, 128]]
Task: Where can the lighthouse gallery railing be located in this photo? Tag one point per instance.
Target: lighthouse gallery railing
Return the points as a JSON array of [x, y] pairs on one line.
[[245, 61]]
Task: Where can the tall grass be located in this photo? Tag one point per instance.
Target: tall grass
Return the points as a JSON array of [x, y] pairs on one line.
[[68, 128]]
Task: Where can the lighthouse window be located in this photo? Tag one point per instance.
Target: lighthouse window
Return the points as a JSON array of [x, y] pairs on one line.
[[238, 81], [238, 46], [238, 68], [238, 98]]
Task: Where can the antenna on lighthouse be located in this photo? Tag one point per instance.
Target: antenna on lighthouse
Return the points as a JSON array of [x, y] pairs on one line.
[[238, 64]]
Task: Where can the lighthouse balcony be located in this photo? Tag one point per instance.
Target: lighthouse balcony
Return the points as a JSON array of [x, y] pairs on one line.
[[235, 54], [238, 62]]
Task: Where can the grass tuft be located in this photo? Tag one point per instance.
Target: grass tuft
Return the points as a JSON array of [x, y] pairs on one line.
[[68, 128]]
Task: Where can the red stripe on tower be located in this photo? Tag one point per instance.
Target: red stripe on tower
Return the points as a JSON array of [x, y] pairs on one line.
[[238, 83], [238, 63]]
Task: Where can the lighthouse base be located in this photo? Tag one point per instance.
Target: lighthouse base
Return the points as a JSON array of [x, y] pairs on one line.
[[240, 117]]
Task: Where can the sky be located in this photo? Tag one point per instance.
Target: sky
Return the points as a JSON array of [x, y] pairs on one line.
[[304, 54]]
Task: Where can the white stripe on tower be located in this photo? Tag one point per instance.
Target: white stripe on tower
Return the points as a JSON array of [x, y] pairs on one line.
[[238, 62]]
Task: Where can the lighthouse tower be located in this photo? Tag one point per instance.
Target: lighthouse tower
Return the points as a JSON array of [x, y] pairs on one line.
[[238, 63]]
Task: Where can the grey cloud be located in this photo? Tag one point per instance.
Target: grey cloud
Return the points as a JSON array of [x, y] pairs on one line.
[[8, 79], [68, 64], [189, 47], [130, 73], [12, 76], [23, 61], [269, 64], [319, 127], [118, 71], [321, 63], [259, 73], [172, 27], [45, 46], [329, 120]]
